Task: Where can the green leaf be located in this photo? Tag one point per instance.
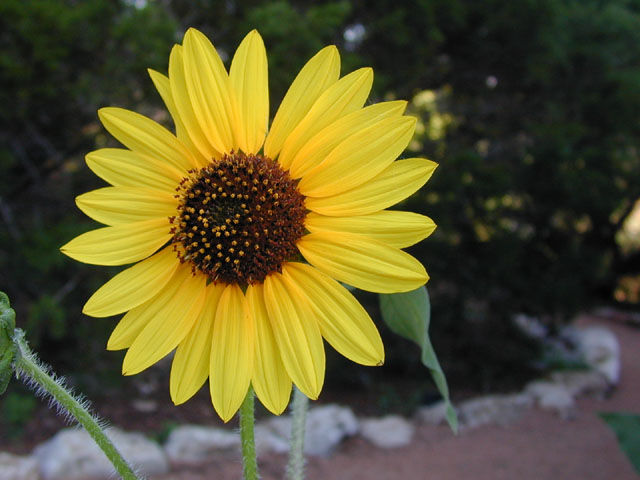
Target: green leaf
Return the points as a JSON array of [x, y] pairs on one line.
[[408, 315], [7, 347], [626, 426]]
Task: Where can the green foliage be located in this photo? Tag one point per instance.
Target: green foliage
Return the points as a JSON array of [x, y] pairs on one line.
[[17, 410], [292, 31], [408, 315], [532, 113], [312, 29], [59, 62], [626, 426], [539, 162], [7, 348]]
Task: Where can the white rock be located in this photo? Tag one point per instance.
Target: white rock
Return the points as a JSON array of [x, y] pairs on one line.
[[601, 350], [193, 444], [15, 467], [532, 326], [268, 441], [391, 431], [581, 382], [279, 426], [552, 396], [145, 406], [72, 454], [326, 426], [435, 414], [493, 409]]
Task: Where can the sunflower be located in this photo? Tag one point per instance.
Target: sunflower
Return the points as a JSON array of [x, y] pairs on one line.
[[242, 234]]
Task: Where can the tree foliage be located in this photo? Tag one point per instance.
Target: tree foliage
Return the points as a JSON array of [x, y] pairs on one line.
[[530, 107], [59, 62]]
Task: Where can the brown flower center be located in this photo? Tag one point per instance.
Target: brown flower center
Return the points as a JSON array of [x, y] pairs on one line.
[[238, 219]]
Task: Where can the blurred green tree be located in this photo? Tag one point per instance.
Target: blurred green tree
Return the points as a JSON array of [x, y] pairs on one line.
[[540, 159], [59, 62], [531, 108]]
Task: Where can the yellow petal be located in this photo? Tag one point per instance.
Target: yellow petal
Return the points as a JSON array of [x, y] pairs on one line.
[[128, 328], [321, 71], [163, 86], [133, 286], [232, 353], [270, 379], [124, 168], [209, 90], [362, 262], [399, 180], [119, 245], [166, 328], [318, 147], [359, 157], [343, 97], [398, 229], [297, 334], [190, 367], [249, 79], [118, 205], [184, 105], [342, 320], [139, 317], [143, 135]]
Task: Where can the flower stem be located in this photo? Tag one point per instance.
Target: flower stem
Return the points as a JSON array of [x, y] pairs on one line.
[[295, 468], [27, 365], [247, 420]]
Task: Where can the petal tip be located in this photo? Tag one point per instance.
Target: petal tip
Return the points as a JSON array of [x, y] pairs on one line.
[[176, 399], [64, 249], [225, 416], [191, 31], [91, 310], [106, 111], [331, 53], [367, 73], [329, 50], [91, 155]]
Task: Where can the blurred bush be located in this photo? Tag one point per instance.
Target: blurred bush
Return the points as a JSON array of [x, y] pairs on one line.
[[59, 62], [530, 107]]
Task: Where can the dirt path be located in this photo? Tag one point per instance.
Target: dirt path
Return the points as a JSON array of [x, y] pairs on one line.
[[540, 446]]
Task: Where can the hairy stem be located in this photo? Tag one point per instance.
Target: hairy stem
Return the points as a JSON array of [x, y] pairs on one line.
[[247, 420], [27, 365], [295, 468]]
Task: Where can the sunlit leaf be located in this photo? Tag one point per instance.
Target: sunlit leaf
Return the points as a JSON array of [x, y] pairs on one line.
[[408, 315]]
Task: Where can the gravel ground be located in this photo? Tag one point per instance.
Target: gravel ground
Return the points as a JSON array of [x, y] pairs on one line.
[[539, 446]]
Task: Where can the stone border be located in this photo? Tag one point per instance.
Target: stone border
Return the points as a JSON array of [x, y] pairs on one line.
[[71, 454]]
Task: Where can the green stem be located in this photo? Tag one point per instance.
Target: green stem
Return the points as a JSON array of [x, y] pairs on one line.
[[247, 420], [27, 364], [295, 468]]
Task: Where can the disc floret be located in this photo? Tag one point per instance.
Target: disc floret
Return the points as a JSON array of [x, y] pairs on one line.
[[239, 219]]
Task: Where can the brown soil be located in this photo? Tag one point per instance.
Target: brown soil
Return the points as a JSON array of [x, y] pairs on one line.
[[538, 446]]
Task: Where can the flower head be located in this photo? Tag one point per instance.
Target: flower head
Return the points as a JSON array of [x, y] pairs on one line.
[[242, 233]]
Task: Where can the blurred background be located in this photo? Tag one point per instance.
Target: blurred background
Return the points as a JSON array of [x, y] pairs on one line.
[[531, 108]]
